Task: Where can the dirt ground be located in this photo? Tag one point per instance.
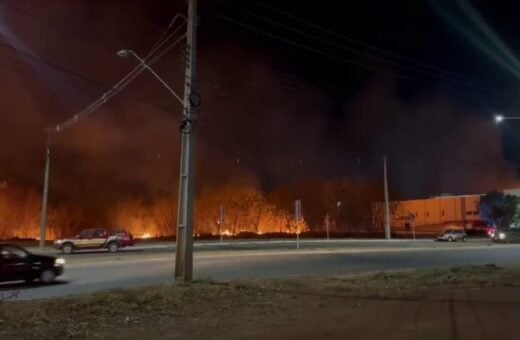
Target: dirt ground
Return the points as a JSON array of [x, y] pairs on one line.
[[459, 303]]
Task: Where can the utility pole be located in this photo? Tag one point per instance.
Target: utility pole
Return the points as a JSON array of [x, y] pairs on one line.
[[387, 203], [43, 222], [184, 246], [221, 222]]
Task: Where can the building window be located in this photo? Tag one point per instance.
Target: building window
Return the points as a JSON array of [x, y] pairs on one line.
[[469, 213], [476, 213], [427, 214], [442, 213]]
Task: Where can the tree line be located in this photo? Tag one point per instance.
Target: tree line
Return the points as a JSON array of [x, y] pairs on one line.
[[346, 203]]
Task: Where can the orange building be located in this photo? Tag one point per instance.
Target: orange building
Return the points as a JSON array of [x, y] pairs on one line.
[[436, 211], [433, 214]]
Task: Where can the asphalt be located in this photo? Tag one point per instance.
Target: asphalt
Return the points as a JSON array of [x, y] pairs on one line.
[[153, 264]]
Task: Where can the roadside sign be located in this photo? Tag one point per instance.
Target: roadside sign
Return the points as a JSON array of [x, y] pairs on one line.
[[297, 218]]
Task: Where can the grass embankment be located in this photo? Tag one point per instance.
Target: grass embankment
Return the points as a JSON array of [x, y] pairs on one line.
[[246, 308]]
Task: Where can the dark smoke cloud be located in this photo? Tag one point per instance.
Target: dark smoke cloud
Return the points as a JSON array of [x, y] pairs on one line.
[[253, 130], [434, 144], [259, 125]]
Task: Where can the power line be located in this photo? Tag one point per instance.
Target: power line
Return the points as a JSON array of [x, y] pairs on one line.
[[354, 50], [61, 69], [47, 22], [280, 80], [323, 53], [154, 48], [131, 75], [361, 43], [125, 81], [159, 44], [279, 74], [24, 72]]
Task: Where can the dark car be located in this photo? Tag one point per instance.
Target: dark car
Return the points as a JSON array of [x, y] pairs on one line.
[[17, 264], [474, 228], [511, 235], [480, 228]]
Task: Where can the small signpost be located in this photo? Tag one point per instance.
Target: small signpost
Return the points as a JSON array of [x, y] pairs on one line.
[[411, 219], [221, 223], [297, 218], [327, 226]]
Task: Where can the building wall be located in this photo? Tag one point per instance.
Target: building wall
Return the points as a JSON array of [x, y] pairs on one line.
[[434, 212]]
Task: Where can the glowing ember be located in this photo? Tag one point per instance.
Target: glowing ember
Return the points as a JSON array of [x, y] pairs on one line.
[[226, 233]]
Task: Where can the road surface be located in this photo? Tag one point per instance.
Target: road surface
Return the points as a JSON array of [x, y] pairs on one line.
[[153, 264]]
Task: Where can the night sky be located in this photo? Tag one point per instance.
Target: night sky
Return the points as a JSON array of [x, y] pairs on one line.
[[324, 94]]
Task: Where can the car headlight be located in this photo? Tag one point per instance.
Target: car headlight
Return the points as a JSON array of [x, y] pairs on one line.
[[58, 241], [501, 236], [59, 261]]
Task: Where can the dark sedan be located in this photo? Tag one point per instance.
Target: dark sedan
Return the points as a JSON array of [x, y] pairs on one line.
[[17, 264]]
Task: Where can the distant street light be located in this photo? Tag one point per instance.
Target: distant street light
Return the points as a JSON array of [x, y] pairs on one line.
[[500, 118]]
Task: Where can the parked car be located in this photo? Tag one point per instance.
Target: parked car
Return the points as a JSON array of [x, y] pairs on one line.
[[17, 264], [473, 228], [510, 235], [96, 239], [451, 235]]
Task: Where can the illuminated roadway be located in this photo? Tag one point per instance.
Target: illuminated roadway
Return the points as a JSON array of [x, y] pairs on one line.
[[153, 264]]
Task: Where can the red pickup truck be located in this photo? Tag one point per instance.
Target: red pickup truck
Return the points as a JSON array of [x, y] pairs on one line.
[[98, 238]]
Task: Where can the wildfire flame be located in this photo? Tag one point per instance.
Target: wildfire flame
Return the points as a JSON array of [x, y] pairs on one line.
[[146, 236]]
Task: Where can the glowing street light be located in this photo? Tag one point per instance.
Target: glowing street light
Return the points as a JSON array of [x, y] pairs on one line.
[[500, 118]]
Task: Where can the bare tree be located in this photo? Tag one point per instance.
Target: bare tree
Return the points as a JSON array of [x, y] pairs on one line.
[[378, 213]]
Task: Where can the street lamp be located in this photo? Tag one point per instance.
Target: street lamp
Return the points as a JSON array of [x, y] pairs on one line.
[[91, 108], [184, 235], [126, 53], [499, 119]]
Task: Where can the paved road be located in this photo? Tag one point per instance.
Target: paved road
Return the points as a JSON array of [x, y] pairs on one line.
[[284, 244], [92, 272]]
